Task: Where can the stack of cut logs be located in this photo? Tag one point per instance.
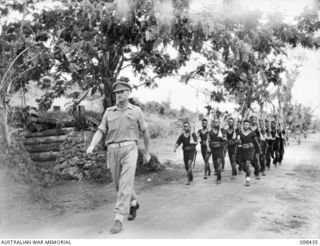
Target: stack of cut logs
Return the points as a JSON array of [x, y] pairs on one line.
[[45, 145], [45, 135]]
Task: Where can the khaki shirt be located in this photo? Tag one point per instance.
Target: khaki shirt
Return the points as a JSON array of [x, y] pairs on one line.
[[122, 124]]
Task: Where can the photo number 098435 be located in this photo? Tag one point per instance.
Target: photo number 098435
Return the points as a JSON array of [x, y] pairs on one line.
[[314, 242]]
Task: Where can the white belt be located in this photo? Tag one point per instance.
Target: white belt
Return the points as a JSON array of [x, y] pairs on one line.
[[121, 144]]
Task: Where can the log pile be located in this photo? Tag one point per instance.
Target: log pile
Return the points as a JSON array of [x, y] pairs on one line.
[[45, 145], [50, 132]]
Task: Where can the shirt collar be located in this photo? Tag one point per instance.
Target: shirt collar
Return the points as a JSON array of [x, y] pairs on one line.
[[129, 106]]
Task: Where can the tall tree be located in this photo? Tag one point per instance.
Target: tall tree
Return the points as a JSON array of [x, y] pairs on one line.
[[94, 41], [251, 49], [23, 57]]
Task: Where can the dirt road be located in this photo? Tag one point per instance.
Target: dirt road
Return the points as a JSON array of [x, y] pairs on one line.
[[284, 204]]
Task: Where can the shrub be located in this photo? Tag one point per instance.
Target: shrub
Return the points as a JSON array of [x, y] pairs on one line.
[[153, 165], [155, 130]]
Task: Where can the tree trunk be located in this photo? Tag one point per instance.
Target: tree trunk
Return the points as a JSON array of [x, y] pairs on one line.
[[4, 128], [108, 99], [80, 116]]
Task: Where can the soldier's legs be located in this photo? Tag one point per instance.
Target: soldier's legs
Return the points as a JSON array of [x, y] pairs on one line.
[[185, 160], [246, 167], [186, 165], [233, 165], [268, 158], [232, 159], [218, 162], [188, 158], [263, 164], [276, 152], [276, 157], [239, 161], [263, 157], [242, 167], [281, 153], [123, 163], [223, 159], [208, 164], [256, 164], [205, 157], [271, 148], [190, 175], [214, 162]]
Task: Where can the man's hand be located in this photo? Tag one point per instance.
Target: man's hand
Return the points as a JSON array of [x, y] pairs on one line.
[[147, 157], [90, 149]]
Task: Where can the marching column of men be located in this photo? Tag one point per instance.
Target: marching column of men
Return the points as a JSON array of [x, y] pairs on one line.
[[252, 143]]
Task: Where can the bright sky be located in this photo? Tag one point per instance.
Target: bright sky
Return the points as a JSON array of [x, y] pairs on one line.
[[289, 8], [307, 86]]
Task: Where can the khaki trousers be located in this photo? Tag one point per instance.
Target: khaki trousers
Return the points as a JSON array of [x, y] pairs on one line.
[[123, 162]]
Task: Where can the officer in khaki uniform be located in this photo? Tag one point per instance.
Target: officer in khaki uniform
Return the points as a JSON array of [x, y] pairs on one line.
[[121, 124]]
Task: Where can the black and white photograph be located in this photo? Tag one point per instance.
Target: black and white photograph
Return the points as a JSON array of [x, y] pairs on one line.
[[159, 119]]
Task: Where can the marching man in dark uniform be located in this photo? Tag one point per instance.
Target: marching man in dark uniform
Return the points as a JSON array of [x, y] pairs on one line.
[[257, 151], [282, 143], [276, 143], [263, 145], [203, 135], [269, 142], [215, 144], [249, 144], [231, 134], [121, 124], [279, 145], [238, 147], [189, 142]]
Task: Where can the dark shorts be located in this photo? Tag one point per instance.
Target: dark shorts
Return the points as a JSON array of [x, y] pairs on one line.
[[269, 145], [232, 152], [247, 154], [281, 144], [217, 153], [188, 155], [276, 145], [264, 146], [238, 154], [232, 149]]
